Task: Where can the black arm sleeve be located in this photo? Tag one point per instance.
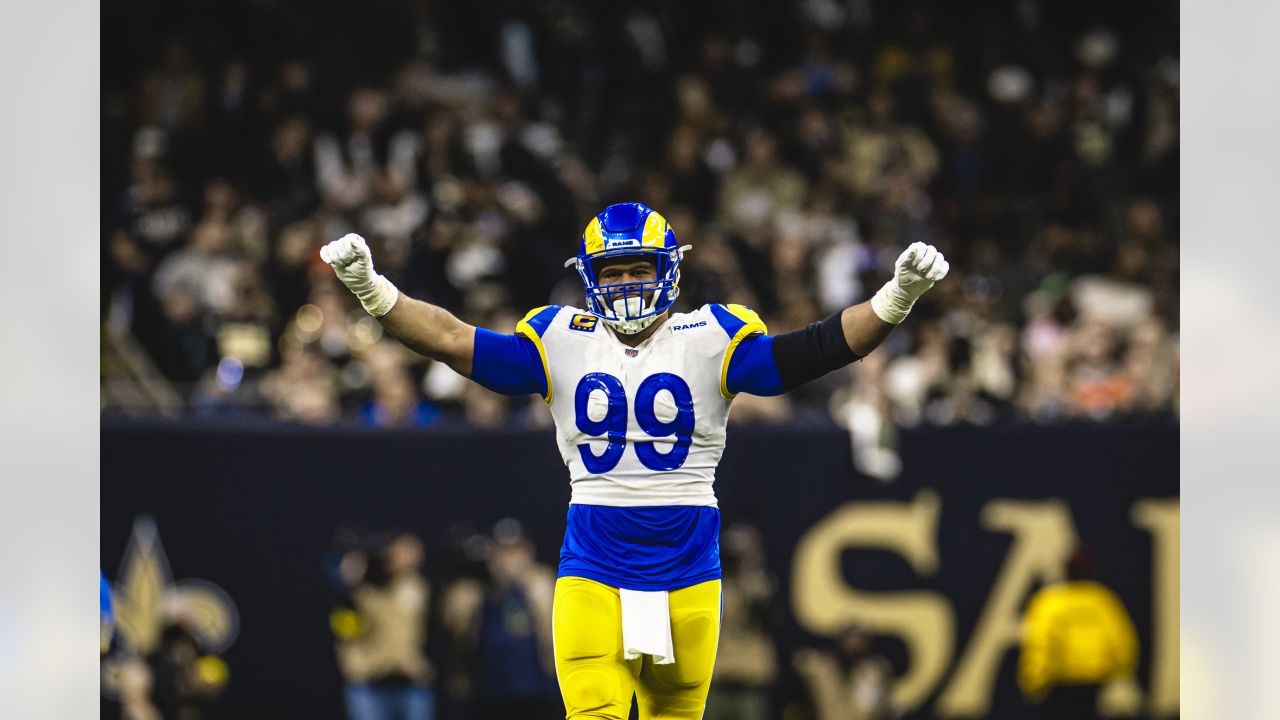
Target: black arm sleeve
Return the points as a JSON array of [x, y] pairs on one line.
[[811, 352]]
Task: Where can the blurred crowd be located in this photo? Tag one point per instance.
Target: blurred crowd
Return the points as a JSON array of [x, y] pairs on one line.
[[476, 645], [174, 681], [798, 148]]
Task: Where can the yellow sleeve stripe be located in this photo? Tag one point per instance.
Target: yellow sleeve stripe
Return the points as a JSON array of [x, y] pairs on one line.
[[524, 328], [752, 325]]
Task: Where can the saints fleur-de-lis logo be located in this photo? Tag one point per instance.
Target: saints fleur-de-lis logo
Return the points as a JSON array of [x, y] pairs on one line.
[[146, 598]]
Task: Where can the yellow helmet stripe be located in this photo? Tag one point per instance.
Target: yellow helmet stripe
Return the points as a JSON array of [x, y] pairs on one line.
[[655, 231], [594, 238]]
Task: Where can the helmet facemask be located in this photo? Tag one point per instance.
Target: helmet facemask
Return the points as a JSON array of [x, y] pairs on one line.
[[631, 307]]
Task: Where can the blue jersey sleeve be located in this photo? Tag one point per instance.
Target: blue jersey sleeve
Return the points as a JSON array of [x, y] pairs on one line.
[[749, 366], [508, 364], [752, 369]]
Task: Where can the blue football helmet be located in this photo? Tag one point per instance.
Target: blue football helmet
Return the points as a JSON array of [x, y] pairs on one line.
[[629, 230]]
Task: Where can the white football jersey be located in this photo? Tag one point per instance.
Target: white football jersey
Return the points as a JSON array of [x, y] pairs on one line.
[[646, 425]]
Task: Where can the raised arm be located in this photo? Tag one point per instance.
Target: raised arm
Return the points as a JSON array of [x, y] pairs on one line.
[[867, 324], [771, 365], [432, 331], [424, 328]]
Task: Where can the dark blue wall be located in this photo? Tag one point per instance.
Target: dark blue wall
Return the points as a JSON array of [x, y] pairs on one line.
[[254, 510]]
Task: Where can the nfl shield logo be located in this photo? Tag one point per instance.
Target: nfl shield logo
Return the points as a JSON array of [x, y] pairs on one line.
[[632, 352]]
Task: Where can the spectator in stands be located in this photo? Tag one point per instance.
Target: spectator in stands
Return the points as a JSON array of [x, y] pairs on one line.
[[1151, 363], [305, 387], [746, 661], [173, 95], [186, 682], [504, 627], [850, 681], [154, 217], [1099, 385], [203, 268], [1076, 637], [395, 401], [285, 182], [463, 580], [136, 684], [381, 642], [174, 681], [347, 164], [864, 410]]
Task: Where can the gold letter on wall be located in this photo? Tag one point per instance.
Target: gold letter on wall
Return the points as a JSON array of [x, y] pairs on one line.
[[823, 602], [1043, 536], [1161, 518]]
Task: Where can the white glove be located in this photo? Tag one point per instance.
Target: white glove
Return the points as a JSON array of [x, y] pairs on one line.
[[917, 269], [350, 258]]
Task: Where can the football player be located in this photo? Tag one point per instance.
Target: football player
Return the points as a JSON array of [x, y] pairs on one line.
[[640, 397]]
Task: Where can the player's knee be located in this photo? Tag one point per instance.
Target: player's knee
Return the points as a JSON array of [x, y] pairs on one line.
[[674, 694], [681, 679], [592, 692]]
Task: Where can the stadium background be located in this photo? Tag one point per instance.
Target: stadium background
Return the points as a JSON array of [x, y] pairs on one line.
[[797, 147]]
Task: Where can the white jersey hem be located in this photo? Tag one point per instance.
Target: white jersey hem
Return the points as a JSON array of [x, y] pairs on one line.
[[631, 499]]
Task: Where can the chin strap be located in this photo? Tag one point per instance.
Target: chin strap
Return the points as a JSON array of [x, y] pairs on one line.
[[624, 306], [631, 327]]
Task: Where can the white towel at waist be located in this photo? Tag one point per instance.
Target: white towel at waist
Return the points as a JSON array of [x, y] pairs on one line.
[[646, 626]]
